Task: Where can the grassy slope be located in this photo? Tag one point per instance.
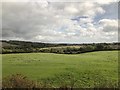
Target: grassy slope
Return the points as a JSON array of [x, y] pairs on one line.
[[86, 68]]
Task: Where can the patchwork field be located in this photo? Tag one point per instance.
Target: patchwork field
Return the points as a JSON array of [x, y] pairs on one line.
[[94, 69]]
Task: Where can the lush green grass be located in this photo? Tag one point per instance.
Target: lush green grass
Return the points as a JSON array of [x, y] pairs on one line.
[[95, 69]]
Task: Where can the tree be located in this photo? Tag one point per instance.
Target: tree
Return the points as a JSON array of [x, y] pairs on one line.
[[99, 47]]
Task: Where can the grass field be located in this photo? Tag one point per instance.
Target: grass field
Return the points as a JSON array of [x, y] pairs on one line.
[[94, 69]]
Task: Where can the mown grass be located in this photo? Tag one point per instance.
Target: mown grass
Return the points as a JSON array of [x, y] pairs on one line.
[[88, 70]]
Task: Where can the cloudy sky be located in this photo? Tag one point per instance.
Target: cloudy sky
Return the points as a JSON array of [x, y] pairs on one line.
[[60, 22]]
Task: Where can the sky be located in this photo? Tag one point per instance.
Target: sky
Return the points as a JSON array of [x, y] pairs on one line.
[[60, 21]]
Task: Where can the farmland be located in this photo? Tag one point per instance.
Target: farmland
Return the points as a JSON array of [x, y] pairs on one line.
[[87, 70]]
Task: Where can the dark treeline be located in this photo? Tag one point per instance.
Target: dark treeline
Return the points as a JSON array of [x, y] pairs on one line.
[[14, 46], [82, 49], [29, 47]]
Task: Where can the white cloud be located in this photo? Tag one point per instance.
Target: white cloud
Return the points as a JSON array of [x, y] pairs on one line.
[[71, 9], [109, 25], [100, 10]]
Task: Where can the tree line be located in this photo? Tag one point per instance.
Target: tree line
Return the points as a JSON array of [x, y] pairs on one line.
[[81, 49], [29, 47]]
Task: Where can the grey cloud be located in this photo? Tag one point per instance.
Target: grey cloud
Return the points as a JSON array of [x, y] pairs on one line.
[[30, 21]]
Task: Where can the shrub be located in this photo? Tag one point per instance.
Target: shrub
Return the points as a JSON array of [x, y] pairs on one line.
[[17, 81]]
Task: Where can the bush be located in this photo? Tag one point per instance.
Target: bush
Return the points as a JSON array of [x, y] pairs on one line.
[[17, 81]]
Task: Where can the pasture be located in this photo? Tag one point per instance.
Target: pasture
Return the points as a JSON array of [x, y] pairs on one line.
[[87, 70]]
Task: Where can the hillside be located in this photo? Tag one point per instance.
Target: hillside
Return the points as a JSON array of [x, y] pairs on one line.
[[13, 46]]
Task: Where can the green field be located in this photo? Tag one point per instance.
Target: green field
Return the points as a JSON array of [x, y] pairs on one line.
[[94, 69]]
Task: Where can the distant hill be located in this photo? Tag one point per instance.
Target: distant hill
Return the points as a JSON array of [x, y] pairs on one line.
[[14, 46]]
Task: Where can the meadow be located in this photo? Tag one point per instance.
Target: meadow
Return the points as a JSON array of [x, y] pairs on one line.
[[87, 70]]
